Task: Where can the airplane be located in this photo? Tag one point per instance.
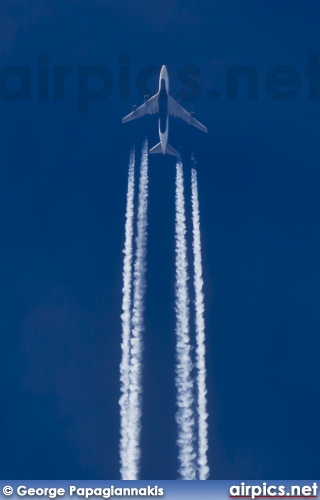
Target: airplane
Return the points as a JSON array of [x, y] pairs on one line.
[[163, 104]]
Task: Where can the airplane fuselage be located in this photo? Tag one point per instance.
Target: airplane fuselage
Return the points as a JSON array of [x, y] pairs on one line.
[[163, 108]]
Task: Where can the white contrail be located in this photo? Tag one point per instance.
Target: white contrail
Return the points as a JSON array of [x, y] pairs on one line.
[[126, 321], [136, 346], [184, 384], [200, 334]]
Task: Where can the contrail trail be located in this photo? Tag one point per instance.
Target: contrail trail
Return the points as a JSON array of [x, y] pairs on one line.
[[184, 384], [126, 321], [136, 346], [200, 334]]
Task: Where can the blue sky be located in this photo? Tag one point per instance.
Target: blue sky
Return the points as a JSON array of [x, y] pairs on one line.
[[62, 207]]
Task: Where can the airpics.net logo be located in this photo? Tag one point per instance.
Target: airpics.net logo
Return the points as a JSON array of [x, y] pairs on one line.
[[43, 80], [266, 490]]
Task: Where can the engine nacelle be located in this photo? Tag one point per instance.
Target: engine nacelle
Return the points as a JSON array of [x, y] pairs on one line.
[[146, 98], [134, 107]]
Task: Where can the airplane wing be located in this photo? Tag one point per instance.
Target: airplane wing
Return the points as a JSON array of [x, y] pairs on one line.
[[150, 107], [175, 109]]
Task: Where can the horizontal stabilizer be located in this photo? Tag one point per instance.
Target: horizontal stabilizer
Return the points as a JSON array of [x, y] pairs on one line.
[[156, 149], [171, 151]]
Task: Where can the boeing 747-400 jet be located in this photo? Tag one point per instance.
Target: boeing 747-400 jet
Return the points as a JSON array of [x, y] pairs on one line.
[[163, 104]]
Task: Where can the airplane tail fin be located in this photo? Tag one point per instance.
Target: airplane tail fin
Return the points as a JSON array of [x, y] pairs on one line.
[[158, 149]]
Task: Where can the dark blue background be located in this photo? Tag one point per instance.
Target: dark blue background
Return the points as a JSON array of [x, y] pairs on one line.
[[62, 206]]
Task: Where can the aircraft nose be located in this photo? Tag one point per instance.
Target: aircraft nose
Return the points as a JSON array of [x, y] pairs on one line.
[[164, 72]]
